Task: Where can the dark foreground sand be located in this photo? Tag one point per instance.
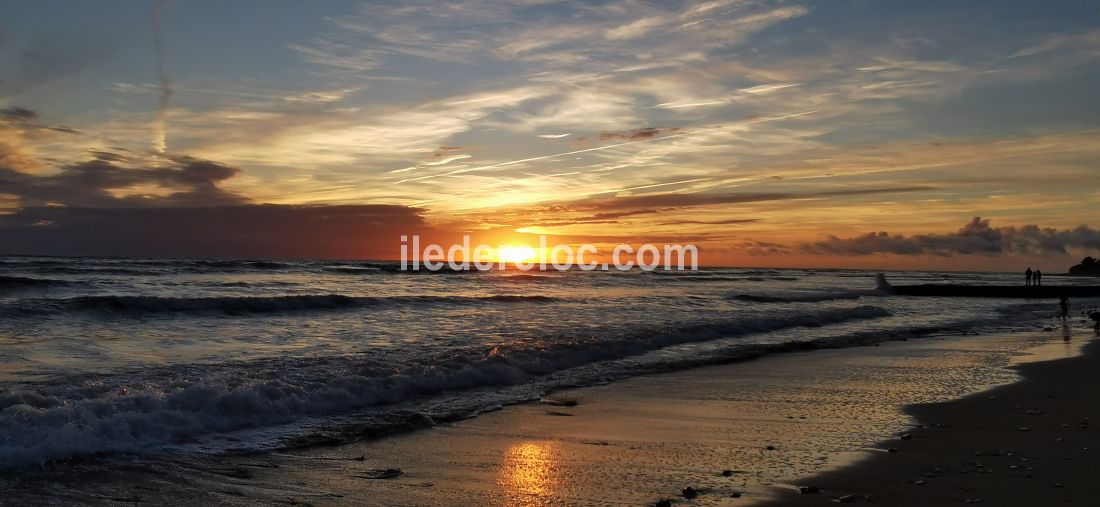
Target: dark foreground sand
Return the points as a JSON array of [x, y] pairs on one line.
[[771, 425], [1031, 443]]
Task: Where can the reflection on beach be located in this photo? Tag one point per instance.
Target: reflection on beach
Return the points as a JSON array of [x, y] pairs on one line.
[[527, 472]]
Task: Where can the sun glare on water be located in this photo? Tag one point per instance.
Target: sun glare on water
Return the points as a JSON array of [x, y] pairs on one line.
[[516, 253]]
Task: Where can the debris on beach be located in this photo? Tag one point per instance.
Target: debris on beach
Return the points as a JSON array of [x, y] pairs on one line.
[[559, 403], [689, 492], [809, 490], [663, 503]]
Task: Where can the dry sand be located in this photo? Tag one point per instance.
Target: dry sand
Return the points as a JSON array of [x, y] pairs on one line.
[[770, 423]]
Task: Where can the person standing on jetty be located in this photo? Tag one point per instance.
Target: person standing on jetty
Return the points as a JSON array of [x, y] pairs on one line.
[[1038, 278], [1027, 277]]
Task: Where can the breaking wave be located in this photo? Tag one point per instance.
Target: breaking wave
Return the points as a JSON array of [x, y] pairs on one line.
[[807, 297], [248, 305], [159, 407], [20, 282]]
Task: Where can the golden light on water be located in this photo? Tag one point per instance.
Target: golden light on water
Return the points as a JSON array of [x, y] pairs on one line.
[[527, 473]]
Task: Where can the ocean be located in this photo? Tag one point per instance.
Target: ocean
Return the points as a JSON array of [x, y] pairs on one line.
[[108, 355]]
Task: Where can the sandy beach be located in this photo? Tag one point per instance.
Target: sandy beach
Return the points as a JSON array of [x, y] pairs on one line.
[[1028, 443], [736, 434]]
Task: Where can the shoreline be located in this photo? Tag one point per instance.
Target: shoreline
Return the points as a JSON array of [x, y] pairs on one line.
[[633, 442], [1030, 442]]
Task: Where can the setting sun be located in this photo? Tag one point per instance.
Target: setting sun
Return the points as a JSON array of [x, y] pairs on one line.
[[516, 253]]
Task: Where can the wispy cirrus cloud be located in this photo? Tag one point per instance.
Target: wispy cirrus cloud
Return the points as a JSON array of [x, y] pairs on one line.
[[1087, 41], [366, 108]]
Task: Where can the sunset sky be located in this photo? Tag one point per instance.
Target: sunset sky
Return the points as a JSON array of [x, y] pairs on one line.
[[774, 133]]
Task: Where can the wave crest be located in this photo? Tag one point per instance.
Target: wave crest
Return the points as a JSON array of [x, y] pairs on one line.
[[111, 304], [106, 414]]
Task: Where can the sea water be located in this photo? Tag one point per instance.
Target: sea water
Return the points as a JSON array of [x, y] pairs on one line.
[[203, 356]]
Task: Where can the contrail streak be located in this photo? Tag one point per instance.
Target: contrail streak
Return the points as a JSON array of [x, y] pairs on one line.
[[160, 133], [606, 147]]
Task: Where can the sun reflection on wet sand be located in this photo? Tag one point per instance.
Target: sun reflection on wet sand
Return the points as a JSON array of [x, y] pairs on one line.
[[528, 473]]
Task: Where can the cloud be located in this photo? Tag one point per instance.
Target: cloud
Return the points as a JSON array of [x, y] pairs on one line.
[[637, 134], [667, 209], [15, 152], [183, 181], [756, 248], [249, 230], [635, 29], [51, 57], [680, 200], [754, 93], [731, 221], [476, 31], [27, 120], [1086, 40], [160, 121], [19, 114], [322, 96], [975, 238], [447, 159]]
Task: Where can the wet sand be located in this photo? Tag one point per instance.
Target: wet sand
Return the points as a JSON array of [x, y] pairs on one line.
[[737, 434], [1035, 442]]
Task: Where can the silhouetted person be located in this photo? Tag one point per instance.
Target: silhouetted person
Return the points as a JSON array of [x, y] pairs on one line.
[[1064, 305], [1027, 277], [1038, 278]]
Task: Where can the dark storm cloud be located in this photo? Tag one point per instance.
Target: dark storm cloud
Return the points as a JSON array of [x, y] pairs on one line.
[[184, 181], [246, 230], [976, 237]]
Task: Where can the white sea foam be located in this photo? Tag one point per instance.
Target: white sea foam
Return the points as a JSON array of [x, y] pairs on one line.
[[155, 409]]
